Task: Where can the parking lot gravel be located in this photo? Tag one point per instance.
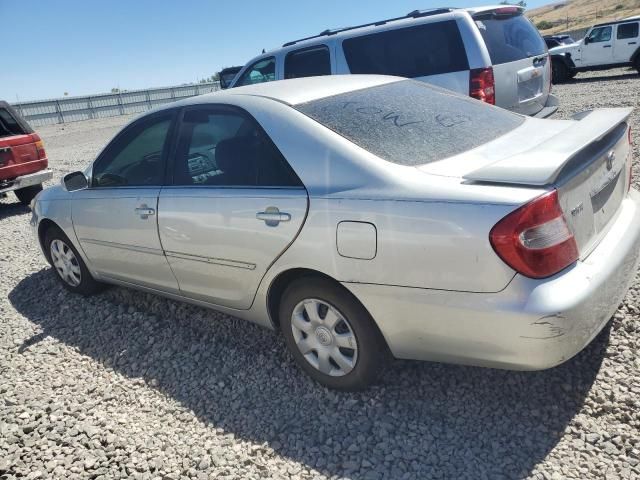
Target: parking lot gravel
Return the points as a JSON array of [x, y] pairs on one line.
[[130, 385]]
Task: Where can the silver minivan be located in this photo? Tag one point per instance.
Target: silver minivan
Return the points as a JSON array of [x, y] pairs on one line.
[[494, 54]]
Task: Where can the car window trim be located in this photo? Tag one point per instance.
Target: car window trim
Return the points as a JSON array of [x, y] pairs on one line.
[[166, 149], [222, 108], [318, 46]]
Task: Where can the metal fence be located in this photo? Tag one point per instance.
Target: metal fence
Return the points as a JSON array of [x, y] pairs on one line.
[[73, 109]]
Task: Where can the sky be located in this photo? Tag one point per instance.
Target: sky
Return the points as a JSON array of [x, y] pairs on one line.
[[84, 47]]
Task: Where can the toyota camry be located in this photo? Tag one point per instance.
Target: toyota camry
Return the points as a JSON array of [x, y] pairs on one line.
[[363, 218]]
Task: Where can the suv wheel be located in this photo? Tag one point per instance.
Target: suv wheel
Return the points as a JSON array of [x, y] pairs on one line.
[[331, 335], [559, 72], [26, 194], [636, 64], [68, 264]]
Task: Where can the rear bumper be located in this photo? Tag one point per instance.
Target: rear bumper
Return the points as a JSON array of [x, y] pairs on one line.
[[27, 180], [530, 325], [550, 107]]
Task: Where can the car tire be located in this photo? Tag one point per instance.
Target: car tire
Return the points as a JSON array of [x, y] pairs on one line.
[[559, 72], [26, 194], [340, 347], [68, 264], [636, 64]]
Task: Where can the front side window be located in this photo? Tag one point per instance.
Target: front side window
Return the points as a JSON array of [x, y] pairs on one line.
[[224, 147], [409, 122], [309, 62], [509, 38], [262, 71], [602, 34], [419, 51], [627, 30], [136, 156]]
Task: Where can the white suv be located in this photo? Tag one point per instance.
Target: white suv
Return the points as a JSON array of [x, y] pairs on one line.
[[607, 45], [493, 54]]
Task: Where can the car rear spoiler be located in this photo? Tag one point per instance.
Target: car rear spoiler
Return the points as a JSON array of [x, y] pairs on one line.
[[543, 163]]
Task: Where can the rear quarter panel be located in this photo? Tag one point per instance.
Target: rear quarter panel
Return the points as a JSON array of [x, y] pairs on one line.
[[437, 245]]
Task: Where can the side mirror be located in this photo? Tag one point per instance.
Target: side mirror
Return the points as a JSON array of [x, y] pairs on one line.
[[75, 181], [586, 40]]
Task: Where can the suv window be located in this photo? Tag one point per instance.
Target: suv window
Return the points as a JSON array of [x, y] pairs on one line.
[[9, 125], [263, 70], [509, 39], [411, 123], [428, 49], [308, 62], [601, 34], [226, 147], [627, 30], [136, 156]]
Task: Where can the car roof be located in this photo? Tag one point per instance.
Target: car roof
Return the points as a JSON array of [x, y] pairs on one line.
[[297, 90], [420, 16]]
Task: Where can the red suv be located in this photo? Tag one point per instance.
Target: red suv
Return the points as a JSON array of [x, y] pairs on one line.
[[23, 161]]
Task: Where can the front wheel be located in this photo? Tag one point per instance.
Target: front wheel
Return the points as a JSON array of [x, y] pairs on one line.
[[68, 264], [559, 72], [331, 335], [26, 194]]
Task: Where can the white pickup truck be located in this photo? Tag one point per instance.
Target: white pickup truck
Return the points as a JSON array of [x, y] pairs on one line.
[[607, 45]]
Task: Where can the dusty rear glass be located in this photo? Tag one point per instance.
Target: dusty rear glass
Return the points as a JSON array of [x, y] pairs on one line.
[[409, 122]]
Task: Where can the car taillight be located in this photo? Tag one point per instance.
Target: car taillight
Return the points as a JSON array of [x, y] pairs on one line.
[[535, 239], [482, 85], [39, 146]]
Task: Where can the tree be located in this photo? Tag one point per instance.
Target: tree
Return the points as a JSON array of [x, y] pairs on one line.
[[115, 90]]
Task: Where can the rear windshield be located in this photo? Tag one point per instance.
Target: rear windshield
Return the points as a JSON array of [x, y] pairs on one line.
[[419, 51], [510, 39], [411, 123], [8, 125]]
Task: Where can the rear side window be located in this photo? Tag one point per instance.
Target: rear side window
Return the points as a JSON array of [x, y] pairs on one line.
[[411, 123], [412, 52], [8, 125], [310, 62], [627, 30], [510, 39], [222, 147]]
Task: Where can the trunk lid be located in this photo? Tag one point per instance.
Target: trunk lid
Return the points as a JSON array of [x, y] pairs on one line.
[[588, 162]]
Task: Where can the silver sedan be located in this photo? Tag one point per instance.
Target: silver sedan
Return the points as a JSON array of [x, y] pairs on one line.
[[365, 218]]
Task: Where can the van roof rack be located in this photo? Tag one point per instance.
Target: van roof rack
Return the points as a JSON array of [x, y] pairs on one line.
[[412, 14]]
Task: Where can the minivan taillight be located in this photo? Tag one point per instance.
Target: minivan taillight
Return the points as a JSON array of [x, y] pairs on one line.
[[535, 239], [482, 85]]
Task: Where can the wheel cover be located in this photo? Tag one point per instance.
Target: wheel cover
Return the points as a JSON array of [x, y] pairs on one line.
[[65, 263], [324, 337]]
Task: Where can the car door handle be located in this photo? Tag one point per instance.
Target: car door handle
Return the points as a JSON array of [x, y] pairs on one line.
[[632, 43], [145, 211], [606, 46], [272, 216]]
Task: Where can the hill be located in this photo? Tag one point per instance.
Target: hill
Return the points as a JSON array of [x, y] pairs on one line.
[[577, 14]]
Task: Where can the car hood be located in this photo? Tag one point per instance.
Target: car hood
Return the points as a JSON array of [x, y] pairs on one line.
[[563, 48]]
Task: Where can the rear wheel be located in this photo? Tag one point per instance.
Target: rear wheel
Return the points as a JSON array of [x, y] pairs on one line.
[[559, 72], [331, 335], [26, 194], [68, 264]]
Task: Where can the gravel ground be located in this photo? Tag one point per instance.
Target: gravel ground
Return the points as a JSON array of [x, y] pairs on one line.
[[129, 385]]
